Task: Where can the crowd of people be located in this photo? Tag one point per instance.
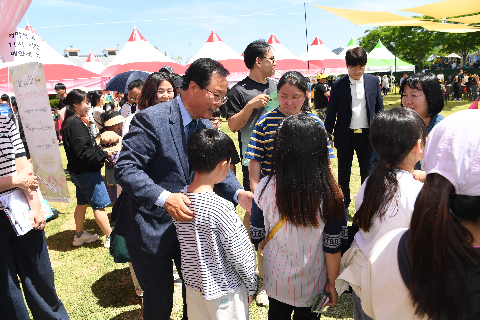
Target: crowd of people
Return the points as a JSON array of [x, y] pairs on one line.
[[411, 253]]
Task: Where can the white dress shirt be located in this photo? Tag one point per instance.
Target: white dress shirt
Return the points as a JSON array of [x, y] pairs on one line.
[[359, 104]]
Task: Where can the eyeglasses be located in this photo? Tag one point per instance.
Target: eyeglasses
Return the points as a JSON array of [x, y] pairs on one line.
[[136, 98], [215, 119], [218, 98], [270, 58], [361, 69]]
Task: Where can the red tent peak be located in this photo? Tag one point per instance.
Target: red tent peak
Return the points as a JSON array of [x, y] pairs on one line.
[[29, 28], [214, 37], [273, 40], [136, 36], [91, 58], [243, 54], [317, 41]]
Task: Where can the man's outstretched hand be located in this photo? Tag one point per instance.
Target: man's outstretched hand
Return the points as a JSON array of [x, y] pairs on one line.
[[176, 206]]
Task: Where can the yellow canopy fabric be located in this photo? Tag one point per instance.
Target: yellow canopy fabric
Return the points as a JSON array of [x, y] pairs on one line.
[[448, 27], [447, 8], [360, 17], [468, 19]]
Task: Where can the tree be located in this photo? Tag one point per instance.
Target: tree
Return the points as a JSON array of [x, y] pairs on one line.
[[462, 43], [413, 44]]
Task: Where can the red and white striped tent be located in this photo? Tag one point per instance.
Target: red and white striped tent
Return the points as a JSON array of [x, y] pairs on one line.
[[216, 49], [93, 64], [139, 54], [56, 67], [319, 54], [287, 61]]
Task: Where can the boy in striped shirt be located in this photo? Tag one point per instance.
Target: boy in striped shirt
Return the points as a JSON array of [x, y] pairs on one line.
[[218, 261]]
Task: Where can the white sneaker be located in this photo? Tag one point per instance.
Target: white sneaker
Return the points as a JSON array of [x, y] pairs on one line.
[[107, 242], [262, 297], [85, 238]]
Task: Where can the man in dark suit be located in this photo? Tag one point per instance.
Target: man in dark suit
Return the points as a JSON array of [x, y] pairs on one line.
[[153, 168], [354, 101]]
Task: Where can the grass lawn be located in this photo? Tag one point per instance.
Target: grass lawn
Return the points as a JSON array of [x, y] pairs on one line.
[[92, 286]]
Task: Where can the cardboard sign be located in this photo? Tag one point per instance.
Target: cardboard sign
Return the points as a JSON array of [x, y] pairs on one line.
[[34, 109]]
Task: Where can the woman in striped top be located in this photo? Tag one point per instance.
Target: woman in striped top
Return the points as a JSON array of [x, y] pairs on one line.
[[303, 258]]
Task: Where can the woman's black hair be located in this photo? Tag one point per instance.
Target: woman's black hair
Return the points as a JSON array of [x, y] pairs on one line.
[[393, 134], [441, 250], [305, 185], [94, 96], [296, 79], [148, 96], [76, 96], [431, 88]]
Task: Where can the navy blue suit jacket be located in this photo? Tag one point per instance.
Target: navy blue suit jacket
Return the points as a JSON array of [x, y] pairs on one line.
[[153, 159], [339, 108]]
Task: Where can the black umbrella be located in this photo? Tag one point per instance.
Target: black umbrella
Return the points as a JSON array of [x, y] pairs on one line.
[[120, 82]]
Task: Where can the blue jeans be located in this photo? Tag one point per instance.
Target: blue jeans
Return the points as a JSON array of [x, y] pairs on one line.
[[26, 256], [90, 189]]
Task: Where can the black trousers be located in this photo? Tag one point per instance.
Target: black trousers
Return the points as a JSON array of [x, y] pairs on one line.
[[26, 257], [281, 311], [155, 276], [359, 143], [456, 88]]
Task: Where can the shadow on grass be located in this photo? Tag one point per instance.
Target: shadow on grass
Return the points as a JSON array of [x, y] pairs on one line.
[[115, 289], [62, 241], [129, 315]]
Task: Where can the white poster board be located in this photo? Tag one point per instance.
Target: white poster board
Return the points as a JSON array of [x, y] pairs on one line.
[[34, 109]]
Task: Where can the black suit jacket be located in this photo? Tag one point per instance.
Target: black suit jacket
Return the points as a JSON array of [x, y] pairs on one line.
[[153, 159], [339, 109]]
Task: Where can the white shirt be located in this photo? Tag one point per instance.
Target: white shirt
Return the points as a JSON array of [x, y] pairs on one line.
[[294, 269], [217, 256], [359, 104], [126, 110], [398, 215]]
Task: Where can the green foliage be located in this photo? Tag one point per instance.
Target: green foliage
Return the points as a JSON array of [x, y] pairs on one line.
[[416, 44], [54, 103], [413, 44]]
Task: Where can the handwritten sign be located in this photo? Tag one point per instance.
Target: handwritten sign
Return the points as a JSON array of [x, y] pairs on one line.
[[34, 109], [21, 46], [11, 12]]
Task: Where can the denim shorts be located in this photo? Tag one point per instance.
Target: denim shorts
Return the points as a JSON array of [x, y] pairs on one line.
[[91, 189]]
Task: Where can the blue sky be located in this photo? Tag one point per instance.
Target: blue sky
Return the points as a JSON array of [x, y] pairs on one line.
[[181, 27]]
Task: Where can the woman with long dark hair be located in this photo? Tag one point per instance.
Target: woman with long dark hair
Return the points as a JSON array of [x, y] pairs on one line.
[[85, 160], [303, 258], [433, 270], [158, 88], [386, 199]]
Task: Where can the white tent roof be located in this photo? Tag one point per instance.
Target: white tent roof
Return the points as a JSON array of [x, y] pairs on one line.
[[352, 44], [380, 52], [216, 49], [93, 64], [138, 49], [318, 51], [139, 54], [281, 53]]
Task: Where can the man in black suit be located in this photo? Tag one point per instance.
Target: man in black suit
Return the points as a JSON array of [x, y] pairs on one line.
[[354, 101], [152, 170]]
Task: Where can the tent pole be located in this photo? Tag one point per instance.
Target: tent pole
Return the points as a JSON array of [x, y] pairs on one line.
[[395, 56], [306, 37]]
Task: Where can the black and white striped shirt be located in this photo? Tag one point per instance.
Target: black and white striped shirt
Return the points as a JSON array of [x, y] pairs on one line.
[[11, 147], [216, 252]]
